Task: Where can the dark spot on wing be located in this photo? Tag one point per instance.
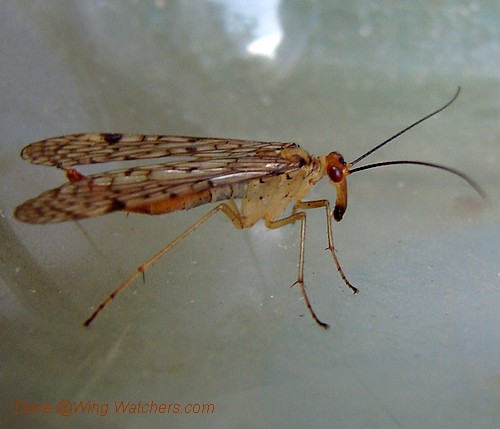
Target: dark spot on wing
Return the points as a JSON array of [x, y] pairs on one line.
[[117, 205], [112, 138]]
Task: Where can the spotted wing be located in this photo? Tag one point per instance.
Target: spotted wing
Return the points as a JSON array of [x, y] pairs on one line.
[[92, 148], [210, 166]]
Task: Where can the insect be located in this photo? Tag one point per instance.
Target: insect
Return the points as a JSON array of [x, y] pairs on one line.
[[266, 176]]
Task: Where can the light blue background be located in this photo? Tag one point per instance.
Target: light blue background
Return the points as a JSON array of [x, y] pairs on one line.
[[216, 321]]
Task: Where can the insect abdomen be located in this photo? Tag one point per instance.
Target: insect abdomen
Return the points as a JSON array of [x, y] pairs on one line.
[[189, 201]]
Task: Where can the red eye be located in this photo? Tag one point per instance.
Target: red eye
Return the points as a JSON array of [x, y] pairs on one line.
[[335, 174], [336, 167]]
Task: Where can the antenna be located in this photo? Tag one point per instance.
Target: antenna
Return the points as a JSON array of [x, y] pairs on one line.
[[409, 127]]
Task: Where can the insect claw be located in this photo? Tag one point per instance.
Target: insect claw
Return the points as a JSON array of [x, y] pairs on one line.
[[322, 324]]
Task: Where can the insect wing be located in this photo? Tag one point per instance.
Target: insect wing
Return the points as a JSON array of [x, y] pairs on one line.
[[210, 165], [78, 149]]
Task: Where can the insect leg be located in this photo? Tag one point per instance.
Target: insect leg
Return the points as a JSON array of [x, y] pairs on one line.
[[229, 209], [324, 203], [301, 216]]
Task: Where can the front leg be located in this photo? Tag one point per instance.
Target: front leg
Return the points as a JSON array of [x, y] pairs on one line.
[[298, 216], [324, 203]]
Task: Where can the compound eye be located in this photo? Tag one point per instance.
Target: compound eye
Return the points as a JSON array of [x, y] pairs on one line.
[[335, 174], [336, 167]]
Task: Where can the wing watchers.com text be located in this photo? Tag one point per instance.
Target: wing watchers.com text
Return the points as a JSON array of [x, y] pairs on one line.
[[69, 408]]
